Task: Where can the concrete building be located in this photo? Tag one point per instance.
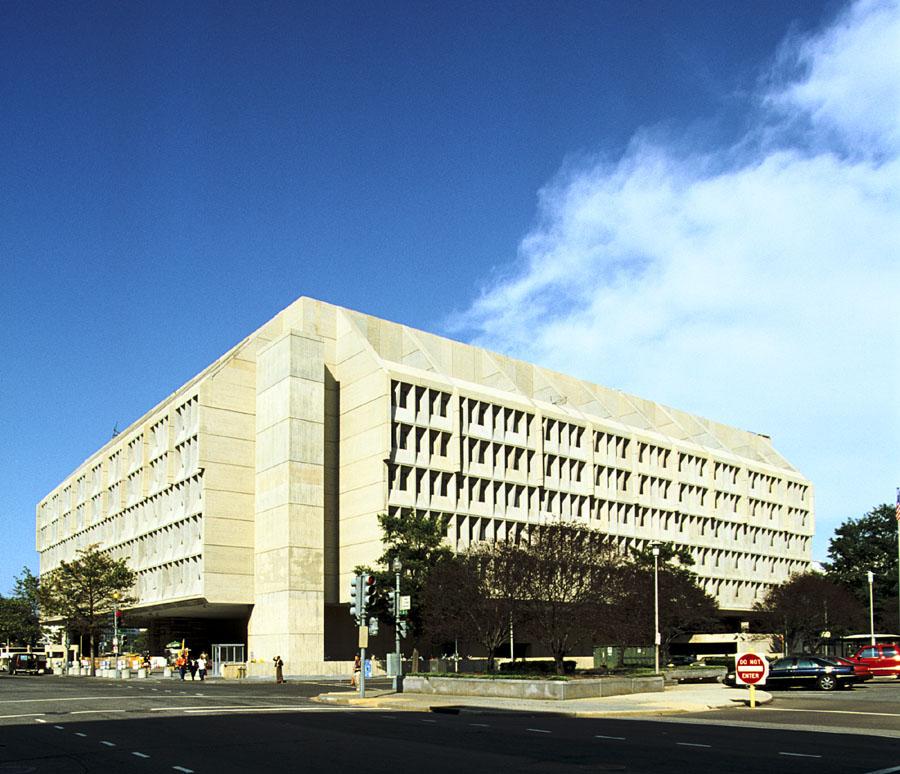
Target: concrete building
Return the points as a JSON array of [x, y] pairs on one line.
[[245, 498]]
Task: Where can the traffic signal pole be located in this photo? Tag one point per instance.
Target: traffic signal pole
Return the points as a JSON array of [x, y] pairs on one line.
[[362, 673], [398, 676]]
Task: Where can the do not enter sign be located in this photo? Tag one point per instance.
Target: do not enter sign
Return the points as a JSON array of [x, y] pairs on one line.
[[750, 669]]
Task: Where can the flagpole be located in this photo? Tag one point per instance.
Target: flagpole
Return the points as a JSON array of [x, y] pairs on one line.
[[898, 558]]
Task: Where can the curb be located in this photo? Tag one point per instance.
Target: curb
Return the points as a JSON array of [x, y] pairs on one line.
[[399, 705]]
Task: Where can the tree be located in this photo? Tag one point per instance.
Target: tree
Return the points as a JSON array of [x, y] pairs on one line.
[[19, 619], [571, 579], [805, 607], [868, 543], [683, 605], [473, 595], [85, 592], [417, 540]]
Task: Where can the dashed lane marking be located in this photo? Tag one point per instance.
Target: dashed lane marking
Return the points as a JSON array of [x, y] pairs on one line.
[[692, 744], [183, 770], [140, 755], [891, 770], [799, 755], [57, 700], [78, 733], [108, 744], [39, 720], [617, 738], [429, 721], [539, 730], [480, 725], [833, 712], [59, 727]]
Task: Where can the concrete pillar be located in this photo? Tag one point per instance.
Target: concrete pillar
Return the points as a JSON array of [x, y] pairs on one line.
[[288, 613]]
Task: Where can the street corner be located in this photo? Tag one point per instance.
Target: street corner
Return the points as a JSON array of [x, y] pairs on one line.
[[353, 699]]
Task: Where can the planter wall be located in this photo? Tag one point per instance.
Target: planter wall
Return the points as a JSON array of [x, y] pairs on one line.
[[532, 689]]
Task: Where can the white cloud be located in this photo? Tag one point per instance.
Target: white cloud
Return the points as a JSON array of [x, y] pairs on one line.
[[763, 292]]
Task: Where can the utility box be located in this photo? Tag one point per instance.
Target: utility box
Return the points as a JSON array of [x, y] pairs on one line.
[[393, 664], [616, 656]]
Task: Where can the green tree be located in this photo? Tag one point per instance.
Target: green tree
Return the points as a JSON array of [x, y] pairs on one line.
[[807, 606], [84, 593], [473, 596], [571, 580], [417, 539], [19, 613], [868, 543]]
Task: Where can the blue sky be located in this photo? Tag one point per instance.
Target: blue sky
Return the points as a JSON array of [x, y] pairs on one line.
[[695, 202]]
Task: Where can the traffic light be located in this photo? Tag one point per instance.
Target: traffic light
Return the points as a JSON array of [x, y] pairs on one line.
[[120, 618], [357, 605], [368, 591]]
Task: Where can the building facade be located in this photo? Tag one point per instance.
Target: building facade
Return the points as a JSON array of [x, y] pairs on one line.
[[245, 499]]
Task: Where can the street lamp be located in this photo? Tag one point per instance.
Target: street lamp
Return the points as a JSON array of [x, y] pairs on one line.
[[871, 609], [397, 566], [656, 637], [116, 631]]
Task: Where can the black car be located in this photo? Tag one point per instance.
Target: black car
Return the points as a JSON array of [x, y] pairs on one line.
[[806, 671]]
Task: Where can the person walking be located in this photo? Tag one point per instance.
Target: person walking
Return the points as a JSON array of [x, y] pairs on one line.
[[181, 664], [354, 681], [193, 667], [201, 666], [279, 670]]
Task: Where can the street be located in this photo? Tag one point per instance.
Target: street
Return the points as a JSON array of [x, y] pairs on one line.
[[53, 724]]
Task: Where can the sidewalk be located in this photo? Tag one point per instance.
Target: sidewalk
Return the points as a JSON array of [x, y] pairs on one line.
[[675, 699]]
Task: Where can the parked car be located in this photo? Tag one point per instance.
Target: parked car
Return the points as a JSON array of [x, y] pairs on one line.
[[806, 671], [28, 663], [861, 671], [881, 659]]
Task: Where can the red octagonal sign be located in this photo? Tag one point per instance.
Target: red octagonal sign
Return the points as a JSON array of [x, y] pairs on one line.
[[751, 669]]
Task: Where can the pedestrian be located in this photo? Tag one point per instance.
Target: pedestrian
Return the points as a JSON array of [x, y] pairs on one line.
[[181, 665], [354, 681], [201, 666], [279, 670], [193, 667]]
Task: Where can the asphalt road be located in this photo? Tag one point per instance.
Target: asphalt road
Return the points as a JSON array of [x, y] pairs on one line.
[[870, 708], [52, 725]]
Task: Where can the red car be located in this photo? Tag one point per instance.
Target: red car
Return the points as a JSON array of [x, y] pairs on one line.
[[861, 671], [882, 659]]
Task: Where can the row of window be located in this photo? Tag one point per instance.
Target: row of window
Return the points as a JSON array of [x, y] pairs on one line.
[[485, 423], [422, 487], [175, 502], [126, 463]]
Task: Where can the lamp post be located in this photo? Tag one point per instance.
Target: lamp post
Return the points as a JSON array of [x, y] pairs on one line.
[[397, 566], [116, 632], [656, 637], [871, 609]]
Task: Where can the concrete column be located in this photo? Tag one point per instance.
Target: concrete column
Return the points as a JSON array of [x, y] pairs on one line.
[[288, 613]]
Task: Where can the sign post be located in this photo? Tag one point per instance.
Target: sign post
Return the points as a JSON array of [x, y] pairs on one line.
[[751, 669]]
